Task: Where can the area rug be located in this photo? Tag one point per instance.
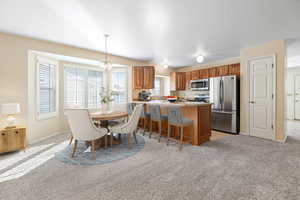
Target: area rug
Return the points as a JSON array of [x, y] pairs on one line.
[[84, 157]]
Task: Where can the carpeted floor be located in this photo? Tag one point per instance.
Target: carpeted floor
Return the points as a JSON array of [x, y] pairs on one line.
[[230, 168]]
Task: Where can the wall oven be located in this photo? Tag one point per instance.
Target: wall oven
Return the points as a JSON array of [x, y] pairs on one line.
[[200, 85]]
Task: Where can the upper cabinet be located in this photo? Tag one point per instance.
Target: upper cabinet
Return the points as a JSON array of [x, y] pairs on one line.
[[178, 81], [149, 76], [143, 77], [195, 75], [234, 69], [188, 78], [222, 70], [203, 73]]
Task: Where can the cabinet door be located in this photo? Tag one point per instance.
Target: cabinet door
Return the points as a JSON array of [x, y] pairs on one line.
[[203, 73], [3, 142], [212, 72], [234, 69], [182, 81], [188, 78], [195, 75], [149, 76], [138, 77], [222, 71]]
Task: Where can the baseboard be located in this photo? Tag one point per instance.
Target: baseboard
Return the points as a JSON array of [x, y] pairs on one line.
[[284, 139], [244, 133], [48, 136]]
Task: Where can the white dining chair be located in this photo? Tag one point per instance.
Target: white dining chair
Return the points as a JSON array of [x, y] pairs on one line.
[[129, 127], [83, 128]]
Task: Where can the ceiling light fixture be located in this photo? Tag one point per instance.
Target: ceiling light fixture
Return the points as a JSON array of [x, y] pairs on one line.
[[200, 59], [107, 63], [165, 64]]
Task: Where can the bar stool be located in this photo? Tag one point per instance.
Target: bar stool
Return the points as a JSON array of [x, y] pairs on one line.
[[156, 116], [144, 116], [175, 118]]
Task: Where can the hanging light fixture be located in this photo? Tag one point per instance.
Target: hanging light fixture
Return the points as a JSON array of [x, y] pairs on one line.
[[107, 63]]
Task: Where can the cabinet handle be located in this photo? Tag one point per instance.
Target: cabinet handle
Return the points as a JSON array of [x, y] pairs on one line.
[[17, 132], [3, 134], [252, 102]]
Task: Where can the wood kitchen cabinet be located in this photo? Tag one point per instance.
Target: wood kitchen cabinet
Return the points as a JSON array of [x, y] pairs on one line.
[[203, 73], [222, 70], [188, 78], [143, 77], [149, 76], [178, 81], [195, 75], [234, 69]]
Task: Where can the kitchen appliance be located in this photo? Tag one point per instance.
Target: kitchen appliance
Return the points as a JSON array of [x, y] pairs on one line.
[[202, 98], [224, 94], [200, 85], [144, 96]]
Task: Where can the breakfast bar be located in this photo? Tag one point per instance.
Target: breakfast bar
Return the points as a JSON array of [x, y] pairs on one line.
[[200, 113]]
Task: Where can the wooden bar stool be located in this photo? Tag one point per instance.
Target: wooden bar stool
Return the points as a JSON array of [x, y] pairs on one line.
[[156, 116], [175, 118]]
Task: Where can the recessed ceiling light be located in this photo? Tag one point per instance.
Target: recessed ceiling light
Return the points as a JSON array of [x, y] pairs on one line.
[[165, 66], [200, 59]]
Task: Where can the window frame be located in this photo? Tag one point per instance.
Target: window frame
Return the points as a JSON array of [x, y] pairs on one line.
[[120, 69], [43, 116], [88, 68]]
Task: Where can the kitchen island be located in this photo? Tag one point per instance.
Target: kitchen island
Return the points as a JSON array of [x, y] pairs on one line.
[[200, 113]]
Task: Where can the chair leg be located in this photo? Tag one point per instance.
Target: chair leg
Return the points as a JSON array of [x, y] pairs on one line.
[[144, 124], [135, 139], [160, 130], [129, 141], [111, 139], [93, 150], [71, 139], [105, 141], [181, 138], [169, 133], [74, 148], [150, 131]]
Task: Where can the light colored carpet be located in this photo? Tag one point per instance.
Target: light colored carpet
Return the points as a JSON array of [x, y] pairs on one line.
[[230, 168]]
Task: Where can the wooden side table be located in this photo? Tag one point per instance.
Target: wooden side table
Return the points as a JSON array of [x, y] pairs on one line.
[[12, 139]]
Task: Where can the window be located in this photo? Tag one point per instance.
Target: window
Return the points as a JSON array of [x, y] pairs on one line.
[[82, 87], [46, 88], [158, 87], [119, 85]]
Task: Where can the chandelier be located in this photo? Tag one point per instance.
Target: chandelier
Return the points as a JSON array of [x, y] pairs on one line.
[[107, 64]]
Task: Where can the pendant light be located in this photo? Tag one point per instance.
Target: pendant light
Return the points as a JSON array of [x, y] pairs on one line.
[[107, 63]]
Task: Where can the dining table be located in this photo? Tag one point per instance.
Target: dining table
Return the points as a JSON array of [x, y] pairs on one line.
[[104, 119]]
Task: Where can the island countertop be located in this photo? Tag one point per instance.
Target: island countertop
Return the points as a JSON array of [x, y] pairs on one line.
[[199, 112], [166, 103]]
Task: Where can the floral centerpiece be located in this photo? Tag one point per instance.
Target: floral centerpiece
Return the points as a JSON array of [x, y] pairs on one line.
[[106, 97]]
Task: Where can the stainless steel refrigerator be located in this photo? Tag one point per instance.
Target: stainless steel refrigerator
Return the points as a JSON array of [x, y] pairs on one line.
[[224, 94]]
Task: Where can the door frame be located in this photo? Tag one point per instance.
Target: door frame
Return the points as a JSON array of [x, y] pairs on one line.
[[273, 57]]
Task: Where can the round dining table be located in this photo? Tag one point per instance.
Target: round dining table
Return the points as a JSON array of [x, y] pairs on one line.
[[104, 118]]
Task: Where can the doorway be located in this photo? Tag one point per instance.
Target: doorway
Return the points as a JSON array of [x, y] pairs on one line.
[[262, 82]]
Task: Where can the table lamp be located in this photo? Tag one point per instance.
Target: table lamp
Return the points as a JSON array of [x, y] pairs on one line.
[[10, 109]]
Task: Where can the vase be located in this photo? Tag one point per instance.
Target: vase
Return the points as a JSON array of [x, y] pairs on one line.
[[106, 108]]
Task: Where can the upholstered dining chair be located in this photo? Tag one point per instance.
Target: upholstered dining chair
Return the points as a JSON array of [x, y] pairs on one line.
[[129, 127], [83, 128]]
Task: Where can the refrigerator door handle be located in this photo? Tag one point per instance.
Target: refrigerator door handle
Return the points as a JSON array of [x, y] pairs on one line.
[[222, 94]]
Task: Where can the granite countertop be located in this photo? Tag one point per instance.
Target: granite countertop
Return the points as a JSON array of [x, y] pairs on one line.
[[167, 103]]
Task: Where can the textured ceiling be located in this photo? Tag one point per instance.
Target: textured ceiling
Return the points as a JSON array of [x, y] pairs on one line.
[[155, 30]]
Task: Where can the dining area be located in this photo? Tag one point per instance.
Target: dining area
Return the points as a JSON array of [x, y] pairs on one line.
[[168, 123]]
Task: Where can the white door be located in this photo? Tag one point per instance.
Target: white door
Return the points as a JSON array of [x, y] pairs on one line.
[[290, 96], [297, 97], [261, 98]]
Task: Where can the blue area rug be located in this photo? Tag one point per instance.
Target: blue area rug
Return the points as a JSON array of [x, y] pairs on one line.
[[103, 156]]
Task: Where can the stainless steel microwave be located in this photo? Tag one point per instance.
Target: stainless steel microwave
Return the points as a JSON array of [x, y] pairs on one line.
[[200, 85]]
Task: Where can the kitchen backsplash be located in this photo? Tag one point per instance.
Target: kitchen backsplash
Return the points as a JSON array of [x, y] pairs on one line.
[[189, 94]]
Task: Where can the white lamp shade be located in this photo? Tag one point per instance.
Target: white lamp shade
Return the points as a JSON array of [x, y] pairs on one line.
[[10, 108]]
